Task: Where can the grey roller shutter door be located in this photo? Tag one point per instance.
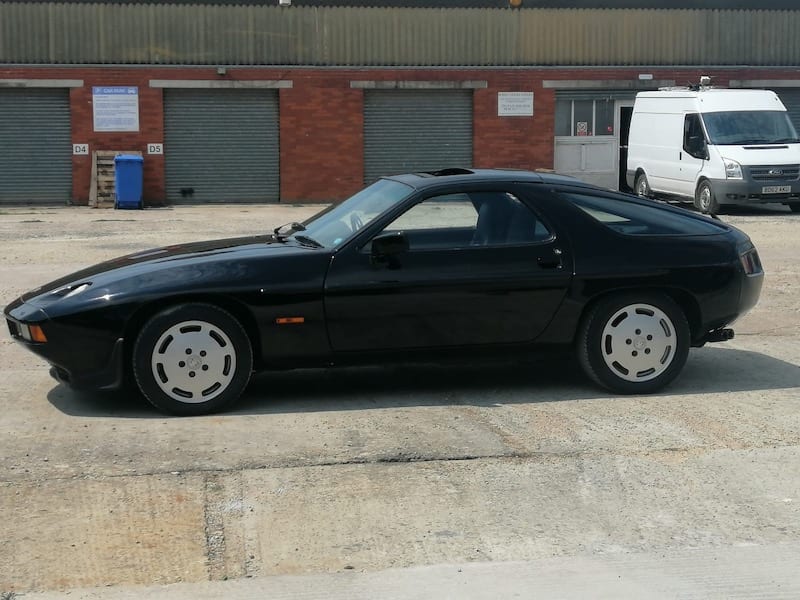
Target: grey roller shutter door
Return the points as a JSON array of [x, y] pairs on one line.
[[221, 145], [35, 146], [791, 100], [416, 130]]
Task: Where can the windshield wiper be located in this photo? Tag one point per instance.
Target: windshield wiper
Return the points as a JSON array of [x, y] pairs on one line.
[[787, 140], [307, 241], [284, 231]]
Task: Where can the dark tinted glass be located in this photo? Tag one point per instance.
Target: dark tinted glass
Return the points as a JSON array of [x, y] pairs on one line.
[[632, 218], [749, 127]]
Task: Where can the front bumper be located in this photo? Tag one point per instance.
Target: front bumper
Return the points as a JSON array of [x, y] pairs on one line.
[[744, 191], [83, 359]]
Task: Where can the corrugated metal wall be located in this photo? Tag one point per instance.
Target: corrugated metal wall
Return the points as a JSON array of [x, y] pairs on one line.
[[79, 33], [791, 100]]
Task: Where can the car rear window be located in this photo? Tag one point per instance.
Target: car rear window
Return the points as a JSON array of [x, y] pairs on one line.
[[632, 218]]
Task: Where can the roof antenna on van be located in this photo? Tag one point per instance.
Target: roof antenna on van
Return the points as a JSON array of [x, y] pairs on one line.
[[705, 82]]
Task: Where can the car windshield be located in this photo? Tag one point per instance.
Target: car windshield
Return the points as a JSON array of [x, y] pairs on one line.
[[749, 127], [333, 226]]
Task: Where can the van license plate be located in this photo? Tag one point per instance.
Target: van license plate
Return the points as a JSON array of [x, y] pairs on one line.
[[776, 189]]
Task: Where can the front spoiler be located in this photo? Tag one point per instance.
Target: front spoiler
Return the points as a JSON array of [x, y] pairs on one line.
[[109, 377]]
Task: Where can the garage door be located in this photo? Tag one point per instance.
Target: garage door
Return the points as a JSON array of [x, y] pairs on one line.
[[416, 130], [36, 147], [221, 145], [791, 100]]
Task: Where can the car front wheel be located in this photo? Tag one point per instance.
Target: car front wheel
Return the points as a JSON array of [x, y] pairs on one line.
[[192, 359], [634, 343]]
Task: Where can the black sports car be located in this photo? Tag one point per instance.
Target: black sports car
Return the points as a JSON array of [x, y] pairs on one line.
[[413, 266]]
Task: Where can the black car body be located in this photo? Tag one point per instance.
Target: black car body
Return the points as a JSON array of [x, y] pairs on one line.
[[416, 265]]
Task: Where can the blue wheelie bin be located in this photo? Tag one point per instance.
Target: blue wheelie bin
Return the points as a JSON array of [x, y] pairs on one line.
[[129, 175]]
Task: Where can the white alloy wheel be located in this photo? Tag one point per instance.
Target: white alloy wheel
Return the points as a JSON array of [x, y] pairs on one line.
[[193, 361], [639, 342]]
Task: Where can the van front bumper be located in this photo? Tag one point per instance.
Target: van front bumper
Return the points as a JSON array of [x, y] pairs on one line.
[[740, 191]]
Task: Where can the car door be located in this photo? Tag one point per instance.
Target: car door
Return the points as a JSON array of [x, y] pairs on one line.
[[466, 277], [691, 155]]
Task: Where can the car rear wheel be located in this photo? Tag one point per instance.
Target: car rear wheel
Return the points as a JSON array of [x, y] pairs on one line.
[[192, 359], [634, 343], [642, 187], [704, 199]]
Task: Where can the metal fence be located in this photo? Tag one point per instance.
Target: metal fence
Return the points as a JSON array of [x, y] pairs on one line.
[[96, 33]]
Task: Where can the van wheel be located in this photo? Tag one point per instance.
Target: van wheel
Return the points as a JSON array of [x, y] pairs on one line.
[[641, 187], [704, 199], [794, 206]]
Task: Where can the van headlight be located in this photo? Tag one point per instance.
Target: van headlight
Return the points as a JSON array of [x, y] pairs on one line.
[[733, 170]]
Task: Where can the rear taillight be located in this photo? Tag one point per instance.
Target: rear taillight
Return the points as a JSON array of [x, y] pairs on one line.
[[751, 262]]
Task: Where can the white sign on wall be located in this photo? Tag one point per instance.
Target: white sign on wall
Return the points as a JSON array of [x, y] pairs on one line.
[[514, 104], [116, 108], [80, 149], [155, 148]]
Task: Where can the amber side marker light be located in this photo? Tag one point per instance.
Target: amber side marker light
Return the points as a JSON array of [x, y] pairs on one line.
[[37, 335], [290, 320]]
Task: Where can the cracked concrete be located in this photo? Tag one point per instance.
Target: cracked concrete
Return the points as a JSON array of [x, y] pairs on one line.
[[367, 469]]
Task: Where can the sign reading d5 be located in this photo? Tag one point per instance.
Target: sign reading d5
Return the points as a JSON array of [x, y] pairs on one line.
[[155, 148]]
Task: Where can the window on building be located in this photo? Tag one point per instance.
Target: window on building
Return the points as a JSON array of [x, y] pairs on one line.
[[579, 118]]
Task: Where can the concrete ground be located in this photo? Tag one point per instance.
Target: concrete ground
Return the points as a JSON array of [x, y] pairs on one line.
[[475, 481]]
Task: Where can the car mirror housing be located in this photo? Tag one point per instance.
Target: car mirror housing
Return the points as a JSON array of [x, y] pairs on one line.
[[389, 244]]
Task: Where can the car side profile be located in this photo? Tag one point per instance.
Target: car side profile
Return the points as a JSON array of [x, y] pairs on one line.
[[413, 267]]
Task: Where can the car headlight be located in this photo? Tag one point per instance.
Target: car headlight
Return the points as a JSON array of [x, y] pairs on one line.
[[733, 170]]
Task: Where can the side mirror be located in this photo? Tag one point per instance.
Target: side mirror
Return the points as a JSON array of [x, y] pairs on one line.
[[387, 246]]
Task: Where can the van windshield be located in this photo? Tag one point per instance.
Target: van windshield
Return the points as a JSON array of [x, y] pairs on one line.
[[749, 127]]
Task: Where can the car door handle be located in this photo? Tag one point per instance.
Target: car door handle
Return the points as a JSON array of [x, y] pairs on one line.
[[551, 263]]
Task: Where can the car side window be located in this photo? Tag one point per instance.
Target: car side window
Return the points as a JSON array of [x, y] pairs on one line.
[[632, 218], [468, 220]]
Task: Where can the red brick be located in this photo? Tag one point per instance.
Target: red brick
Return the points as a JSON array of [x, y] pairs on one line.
[[321, 128]]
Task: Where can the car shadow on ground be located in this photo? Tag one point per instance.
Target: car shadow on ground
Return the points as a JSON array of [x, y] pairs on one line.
[[709, 370]]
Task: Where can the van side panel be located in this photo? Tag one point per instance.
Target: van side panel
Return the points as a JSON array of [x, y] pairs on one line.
[[655, 143]]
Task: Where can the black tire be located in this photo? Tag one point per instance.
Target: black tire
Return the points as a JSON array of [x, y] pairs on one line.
[[625, 336], [704, 199], [192, 359], [794, 207], [641, 187]]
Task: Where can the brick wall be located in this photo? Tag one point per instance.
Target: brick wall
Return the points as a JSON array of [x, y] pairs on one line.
[[321, 141]]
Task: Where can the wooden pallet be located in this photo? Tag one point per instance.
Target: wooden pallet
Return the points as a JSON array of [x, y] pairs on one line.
[[101, 189]]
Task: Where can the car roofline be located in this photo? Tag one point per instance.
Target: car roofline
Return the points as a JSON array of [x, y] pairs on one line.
[[422, 180]]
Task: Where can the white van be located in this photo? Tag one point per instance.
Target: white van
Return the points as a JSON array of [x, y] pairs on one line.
[[714, 147]]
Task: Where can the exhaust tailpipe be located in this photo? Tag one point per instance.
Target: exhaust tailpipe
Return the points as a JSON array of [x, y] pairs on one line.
[[720, 335]]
